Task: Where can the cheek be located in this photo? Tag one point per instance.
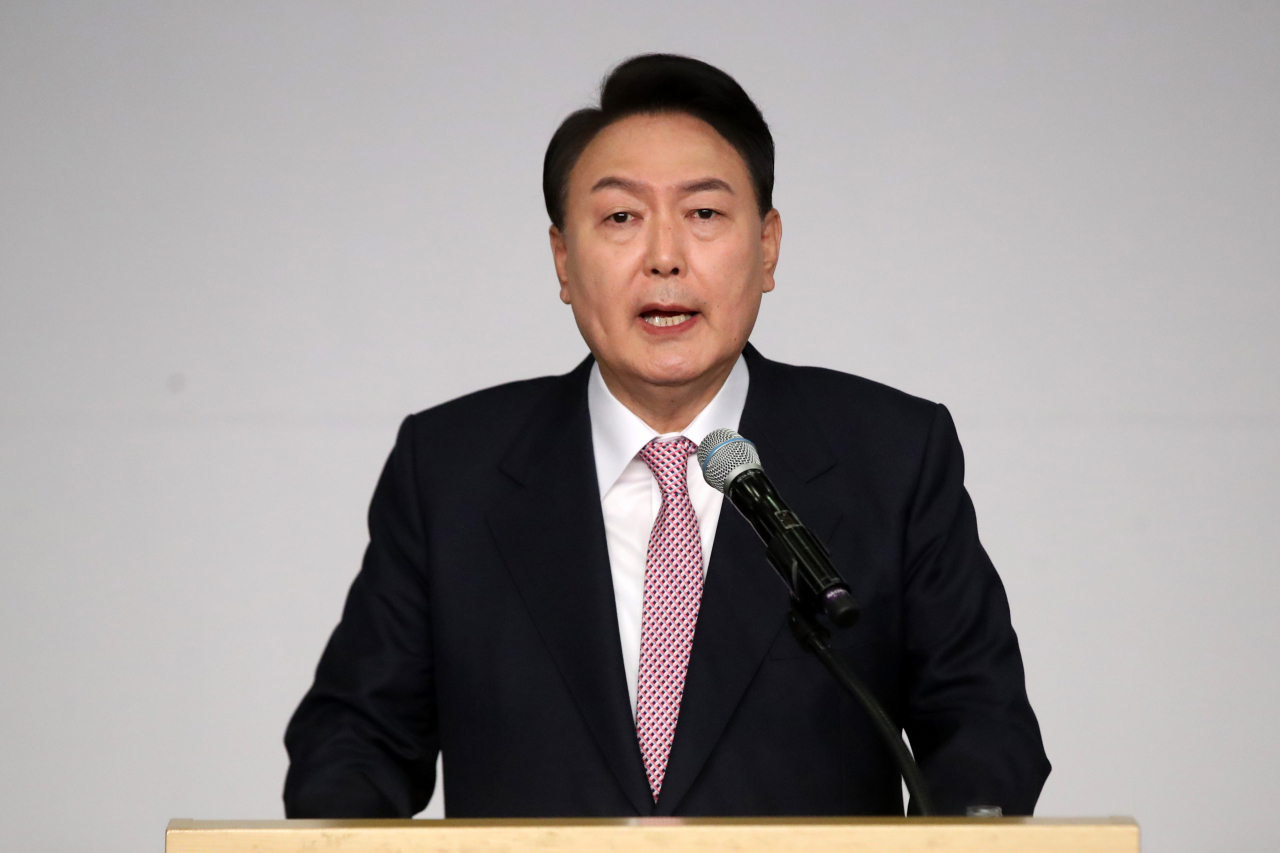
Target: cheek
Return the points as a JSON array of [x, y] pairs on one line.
[[602, 283], [729, 266]]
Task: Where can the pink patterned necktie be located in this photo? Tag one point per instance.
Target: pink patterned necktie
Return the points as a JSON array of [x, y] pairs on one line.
[[672, 593]]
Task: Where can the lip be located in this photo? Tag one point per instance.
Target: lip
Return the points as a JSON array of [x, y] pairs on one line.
[[667, 308]]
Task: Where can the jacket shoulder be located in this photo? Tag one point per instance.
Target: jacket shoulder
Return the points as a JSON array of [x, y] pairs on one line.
[[846, 398], [503, 400], [482, 418], [871, 428], [482, 424]]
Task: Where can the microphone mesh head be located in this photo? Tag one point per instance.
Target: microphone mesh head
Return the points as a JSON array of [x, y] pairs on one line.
[[723, 455]]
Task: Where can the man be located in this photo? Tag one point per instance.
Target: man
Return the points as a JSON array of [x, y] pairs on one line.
[[554, 598]]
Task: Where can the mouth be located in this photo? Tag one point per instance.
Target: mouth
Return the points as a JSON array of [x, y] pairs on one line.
[[667, 317]]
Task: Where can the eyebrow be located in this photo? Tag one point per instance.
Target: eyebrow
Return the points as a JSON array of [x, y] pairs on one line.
[[705, 185], [611, 182], [634, 187]]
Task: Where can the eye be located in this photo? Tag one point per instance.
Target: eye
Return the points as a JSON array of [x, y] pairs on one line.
[[620, 218], [704, 213]]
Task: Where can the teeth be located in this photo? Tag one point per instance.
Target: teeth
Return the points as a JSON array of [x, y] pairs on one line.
[[673, 320]]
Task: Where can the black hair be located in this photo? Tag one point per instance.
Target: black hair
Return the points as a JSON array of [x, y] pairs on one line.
[[656, 83]]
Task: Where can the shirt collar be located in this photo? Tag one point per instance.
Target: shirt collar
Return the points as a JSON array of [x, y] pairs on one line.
[[617, 434]]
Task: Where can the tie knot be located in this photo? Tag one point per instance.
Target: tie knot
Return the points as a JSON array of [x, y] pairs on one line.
[[669, 462]]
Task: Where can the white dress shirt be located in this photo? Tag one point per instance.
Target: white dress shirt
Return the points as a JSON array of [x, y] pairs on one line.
[[630, 497]]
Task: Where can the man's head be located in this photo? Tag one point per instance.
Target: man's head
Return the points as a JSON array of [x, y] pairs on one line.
[[663, 229]]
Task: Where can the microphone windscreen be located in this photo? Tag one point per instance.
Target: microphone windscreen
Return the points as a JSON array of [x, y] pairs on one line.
[[723, 455]]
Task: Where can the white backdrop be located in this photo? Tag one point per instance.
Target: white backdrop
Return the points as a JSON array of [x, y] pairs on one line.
[[240, 241]]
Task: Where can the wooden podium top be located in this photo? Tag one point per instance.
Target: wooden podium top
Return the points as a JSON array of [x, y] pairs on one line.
[[659, 835]]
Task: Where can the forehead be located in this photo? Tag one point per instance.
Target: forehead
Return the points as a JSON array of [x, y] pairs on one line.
[[659, 150]]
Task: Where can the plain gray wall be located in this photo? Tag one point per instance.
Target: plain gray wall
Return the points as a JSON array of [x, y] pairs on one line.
[[240, 241]]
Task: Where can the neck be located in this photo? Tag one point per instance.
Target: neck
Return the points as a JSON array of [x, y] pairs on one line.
[[666, 408]]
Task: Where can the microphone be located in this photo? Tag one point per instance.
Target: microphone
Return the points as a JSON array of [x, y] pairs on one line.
[[731, 465]]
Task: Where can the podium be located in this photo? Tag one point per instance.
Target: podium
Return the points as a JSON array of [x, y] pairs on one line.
[[659, 835]]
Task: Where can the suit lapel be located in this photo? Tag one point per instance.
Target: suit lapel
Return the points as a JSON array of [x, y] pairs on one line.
[[744, 602], [551, 536]]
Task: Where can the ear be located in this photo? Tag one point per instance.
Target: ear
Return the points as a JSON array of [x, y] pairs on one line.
[[560, 254], [770, 243]]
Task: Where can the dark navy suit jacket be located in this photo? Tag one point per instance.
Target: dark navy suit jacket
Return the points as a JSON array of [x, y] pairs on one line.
[[483, 624]]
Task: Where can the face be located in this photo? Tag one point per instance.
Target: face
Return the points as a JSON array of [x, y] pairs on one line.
[[664, 255]]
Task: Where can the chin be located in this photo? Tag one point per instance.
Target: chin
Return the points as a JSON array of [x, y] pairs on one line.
[[675, 371]]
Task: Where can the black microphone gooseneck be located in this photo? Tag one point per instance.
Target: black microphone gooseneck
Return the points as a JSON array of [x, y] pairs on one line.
[[814, 637], [731, 465]]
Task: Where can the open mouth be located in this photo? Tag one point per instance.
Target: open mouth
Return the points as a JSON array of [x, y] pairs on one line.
[[664, 319]]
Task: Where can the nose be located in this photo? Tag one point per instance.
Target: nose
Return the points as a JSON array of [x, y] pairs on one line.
[[666, 248]]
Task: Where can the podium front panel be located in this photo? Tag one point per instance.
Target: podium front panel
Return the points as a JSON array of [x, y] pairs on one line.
[[659, 835]]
